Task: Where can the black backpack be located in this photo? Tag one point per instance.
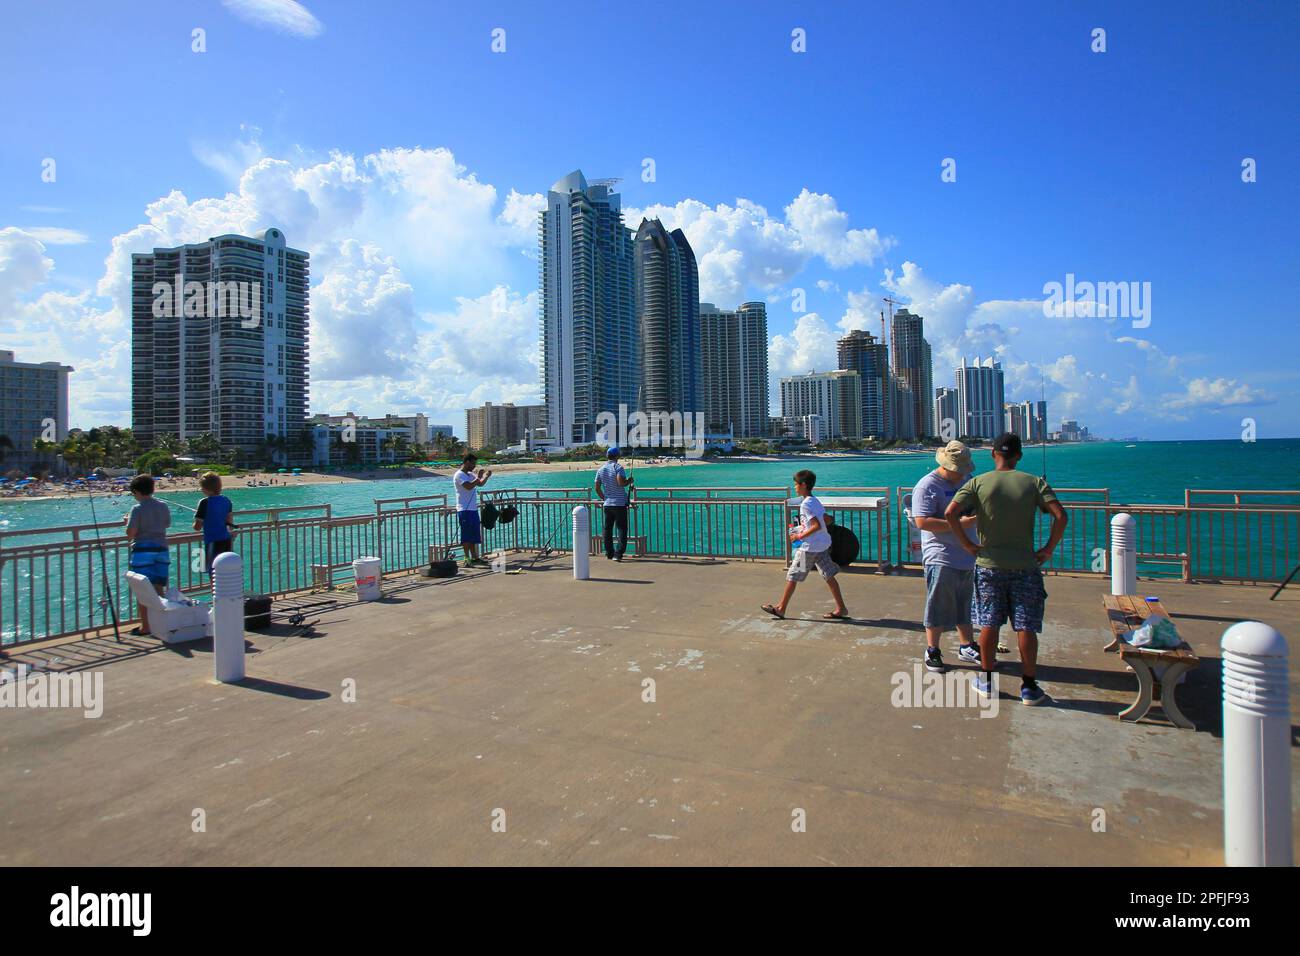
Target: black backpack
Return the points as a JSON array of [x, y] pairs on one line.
[[844, 544]]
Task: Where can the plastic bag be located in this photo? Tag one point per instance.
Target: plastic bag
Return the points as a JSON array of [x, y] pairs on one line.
[[1157, 633]]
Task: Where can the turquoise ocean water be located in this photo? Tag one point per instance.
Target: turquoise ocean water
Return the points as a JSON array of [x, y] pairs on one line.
[[64, 592], [1145, 472]]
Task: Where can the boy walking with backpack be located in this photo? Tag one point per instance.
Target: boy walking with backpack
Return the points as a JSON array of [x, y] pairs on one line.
[[812, 549]]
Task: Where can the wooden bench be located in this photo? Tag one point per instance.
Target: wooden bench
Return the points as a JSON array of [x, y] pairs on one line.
[[1158, 671]]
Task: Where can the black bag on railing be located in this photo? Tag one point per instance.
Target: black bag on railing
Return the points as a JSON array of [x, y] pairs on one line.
[[488, 516], [844, 545]]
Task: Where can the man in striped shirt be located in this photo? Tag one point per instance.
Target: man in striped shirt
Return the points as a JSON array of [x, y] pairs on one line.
[[612, 484]]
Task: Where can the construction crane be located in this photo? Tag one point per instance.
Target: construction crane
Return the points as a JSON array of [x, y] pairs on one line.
[[892, 302]]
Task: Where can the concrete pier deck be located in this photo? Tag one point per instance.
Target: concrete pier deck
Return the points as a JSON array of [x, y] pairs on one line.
[[519, 698]]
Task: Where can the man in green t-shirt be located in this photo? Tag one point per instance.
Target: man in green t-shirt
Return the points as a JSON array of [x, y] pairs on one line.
[[1008, 582]]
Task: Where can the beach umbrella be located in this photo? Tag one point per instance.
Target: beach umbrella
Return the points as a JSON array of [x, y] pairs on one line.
[[282, 471]]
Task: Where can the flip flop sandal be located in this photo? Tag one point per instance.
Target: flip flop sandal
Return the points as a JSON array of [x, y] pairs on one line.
[[773, 611], [831, 616]]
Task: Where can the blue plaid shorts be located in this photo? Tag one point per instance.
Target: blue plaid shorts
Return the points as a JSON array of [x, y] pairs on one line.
[[1017, 595]]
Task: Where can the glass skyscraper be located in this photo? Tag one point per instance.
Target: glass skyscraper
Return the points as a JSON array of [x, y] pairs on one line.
[[668, 320], [590, 361]]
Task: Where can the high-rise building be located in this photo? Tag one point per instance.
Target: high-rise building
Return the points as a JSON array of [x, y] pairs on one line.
[[1028, 420], [33, 404], [501, 424], [1015, 420], [980, 391], [860, 352], [910, 364], [590, 361], [835, 396], [734, 368], [667, 287], [219, 340], [946, 410]]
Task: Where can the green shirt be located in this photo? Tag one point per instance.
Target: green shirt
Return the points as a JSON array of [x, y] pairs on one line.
[[1006, 503]]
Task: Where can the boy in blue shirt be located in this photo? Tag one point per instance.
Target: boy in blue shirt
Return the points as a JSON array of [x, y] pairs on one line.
[[214, 517]]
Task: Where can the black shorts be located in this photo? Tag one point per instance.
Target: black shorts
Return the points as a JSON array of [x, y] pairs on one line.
[[214, 548]]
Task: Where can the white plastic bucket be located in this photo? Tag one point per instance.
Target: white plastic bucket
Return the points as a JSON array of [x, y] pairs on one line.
[[367, 572]]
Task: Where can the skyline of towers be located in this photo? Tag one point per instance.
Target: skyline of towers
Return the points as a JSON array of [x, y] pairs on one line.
[[621, 323], [622, 326], [219, 340]]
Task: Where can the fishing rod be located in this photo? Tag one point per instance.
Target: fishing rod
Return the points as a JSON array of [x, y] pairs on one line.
[[177, 504], [103, 566], [1042, 437]]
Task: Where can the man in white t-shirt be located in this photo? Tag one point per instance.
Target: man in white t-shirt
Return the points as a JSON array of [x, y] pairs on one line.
[[468, 481], [812, 549]]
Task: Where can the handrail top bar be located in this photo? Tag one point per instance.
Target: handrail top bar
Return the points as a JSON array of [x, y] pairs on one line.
[[380, 502], [1241, 491]]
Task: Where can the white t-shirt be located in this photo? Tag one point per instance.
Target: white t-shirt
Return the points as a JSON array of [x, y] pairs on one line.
[[820, 540], [466, 498]]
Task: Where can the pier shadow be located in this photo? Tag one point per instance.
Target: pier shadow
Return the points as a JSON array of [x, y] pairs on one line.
[[884, 623], [292, 691], [1199, 696]]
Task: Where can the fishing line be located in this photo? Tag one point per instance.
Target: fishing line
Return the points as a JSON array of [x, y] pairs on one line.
[[103, 565]]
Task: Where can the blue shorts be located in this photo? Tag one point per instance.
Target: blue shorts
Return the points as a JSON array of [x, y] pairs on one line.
[[469, 527], [1004, 594], [152, 561], [947, 596]]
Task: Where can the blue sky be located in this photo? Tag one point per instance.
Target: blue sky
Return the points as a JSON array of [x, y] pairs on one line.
[[389, 140]]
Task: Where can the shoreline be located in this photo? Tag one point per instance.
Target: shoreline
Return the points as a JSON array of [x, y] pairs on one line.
[[267, 479]]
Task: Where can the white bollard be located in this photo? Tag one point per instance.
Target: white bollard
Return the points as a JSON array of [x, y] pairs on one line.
[[581, 544], [1256, 747], [1123, 554], [228, 617]]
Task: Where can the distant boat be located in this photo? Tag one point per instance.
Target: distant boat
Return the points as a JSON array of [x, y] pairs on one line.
[[1130, 446]]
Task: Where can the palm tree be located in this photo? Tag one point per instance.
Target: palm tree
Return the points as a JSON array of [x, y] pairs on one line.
[[6, 446], [206, 445], [170, 444]]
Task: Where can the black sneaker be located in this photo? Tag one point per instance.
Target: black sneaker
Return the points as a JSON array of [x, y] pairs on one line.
[[934, 659]]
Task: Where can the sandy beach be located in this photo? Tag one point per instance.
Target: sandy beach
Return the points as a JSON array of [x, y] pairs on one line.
[[46, 491]]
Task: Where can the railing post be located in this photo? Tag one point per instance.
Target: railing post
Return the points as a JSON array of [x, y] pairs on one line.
[[1123, 554], [1190, 549], [1256, 747], [581, 543], [228, 617]]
